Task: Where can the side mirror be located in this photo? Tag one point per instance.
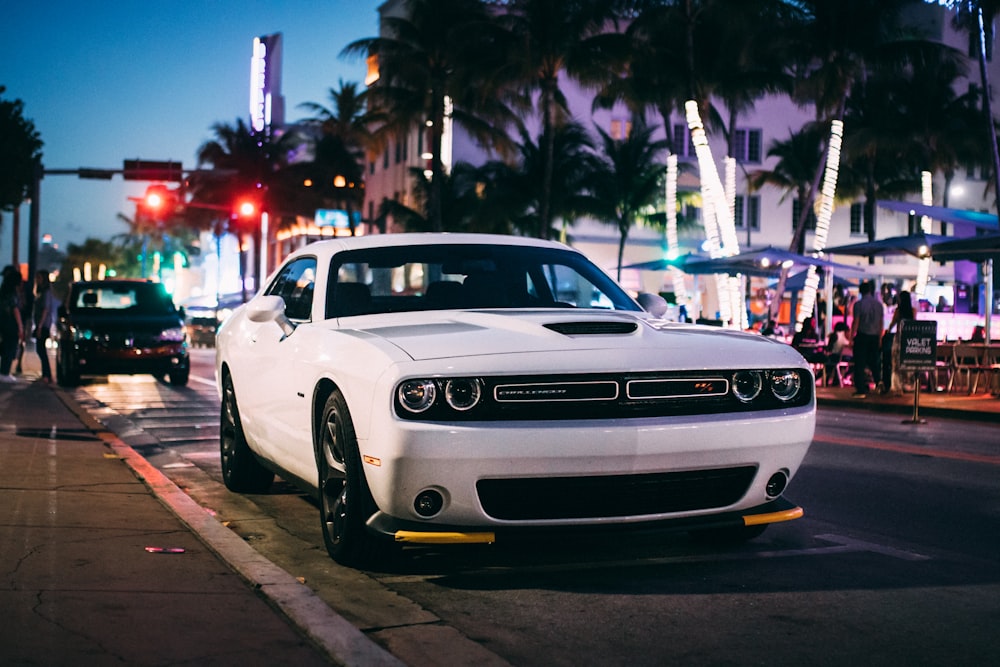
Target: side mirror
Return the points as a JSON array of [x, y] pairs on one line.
[[654, 304], [270, 309]]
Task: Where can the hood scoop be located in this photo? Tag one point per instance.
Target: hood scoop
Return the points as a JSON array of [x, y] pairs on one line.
[[593, 328]]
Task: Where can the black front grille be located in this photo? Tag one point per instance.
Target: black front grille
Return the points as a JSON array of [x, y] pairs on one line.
[[613, 495]]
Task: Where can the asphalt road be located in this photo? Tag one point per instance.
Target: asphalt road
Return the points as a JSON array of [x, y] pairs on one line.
[[897, 560]]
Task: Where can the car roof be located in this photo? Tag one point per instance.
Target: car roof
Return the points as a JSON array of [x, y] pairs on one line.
[[340, 244]]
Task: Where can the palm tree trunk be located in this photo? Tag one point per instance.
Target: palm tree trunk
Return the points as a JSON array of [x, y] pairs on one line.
[[987, 107], [434, 210], [548, 134]]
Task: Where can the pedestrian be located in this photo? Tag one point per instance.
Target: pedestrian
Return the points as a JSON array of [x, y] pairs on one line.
[[806, 342], [866, 334], [835, 346], [903, 312], [11, 325], [46, 309]]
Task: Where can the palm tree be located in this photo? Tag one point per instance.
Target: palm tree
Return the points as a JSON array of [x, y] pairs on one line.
[[545, 39], [519, 190], [244, 164], [978, 17], [629, 180], [338, 150], [428, 61], [20, 160]]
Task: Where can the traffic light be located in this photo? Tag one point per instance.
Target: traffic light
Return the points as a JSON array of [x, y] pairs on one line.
[[159, 202], [246, 208]]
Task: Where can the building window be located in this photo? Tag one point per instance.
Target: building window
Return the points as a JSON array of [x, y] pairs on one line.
[[797, 212], [747, 212], [857, 219], [753, 212], [385, 158], [399, 152], [748, 146]]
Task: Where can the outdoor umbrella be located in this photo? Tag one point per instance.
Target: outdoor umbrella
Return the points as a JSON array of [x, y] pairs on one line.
[[664, 264], [973, 248], [918, 245], [952, 215], [765, 262]]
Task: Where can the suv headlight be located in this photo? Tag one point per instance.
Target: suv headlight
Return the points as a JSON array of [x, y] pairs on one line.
[[175, 335]]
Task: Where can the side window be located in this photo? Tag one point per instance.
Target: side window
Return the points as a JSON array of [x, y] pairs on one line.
[[295, 284]]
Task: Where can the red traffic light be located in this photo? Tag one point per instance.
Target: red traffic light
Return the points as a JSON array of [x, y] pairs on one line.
[[246, 209], [159, 201]]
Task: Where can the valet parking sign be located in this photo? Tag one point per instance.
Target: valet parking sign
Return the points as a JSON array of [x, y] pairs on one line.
[[918, 344]]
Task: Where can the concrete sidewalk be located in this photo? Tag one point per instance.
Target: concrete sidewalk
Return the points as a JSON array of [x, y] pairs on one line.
[[106, 561]]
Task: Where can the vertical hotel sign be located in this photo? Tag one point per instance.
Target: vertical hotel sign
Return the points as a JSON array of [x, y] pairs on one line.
[[266, 102]]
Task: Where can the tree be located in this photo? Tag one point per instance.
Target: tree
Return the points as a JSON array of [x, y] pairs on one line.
[[429, 66], [20, 157], [519, 190], [628, 183], [545, 39], [978, 17], [337, 168], [245, 165]]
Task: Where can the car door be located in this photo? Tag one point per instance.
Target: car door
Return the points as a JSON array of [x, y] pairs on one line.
[[274, 397]]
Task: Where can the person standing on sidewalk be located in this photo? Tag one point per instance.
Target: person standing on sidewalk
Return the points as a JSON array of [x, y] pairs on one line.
[[46, 308], [904, 311], [11, 325], [866, 336]]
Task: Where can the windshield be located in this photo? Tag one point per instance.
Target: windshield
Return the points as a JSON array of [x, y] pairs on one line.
[[134, 298], [437, 277]]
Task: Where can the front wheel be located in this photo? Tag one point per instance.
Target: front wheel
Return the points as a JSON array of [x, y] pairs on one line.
[[241, 471], [66, 373], [346, 503], [179, 377]]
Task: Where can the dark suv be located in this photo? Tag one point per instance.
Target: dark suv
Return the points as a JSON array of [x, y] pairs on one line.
[[121, 326]]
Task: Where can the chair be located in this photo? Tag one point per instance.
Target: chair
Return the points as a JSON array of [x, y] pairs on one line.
[[968, 359], [351, 299], [484, 290], [942, 365], [444, 295]]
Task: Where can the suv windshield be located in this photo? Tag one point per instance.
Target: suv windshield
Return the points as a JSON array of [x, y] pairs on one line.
[[133, 297]]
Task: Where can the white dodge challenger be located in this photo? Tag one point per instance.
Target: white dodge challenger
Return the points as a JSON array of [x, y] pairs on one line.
[[436, 388]]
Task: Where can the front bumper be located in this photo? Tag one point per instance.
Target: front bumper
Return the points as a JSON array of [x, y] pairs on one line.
[[505, 475], [408, 532], [95, 360]]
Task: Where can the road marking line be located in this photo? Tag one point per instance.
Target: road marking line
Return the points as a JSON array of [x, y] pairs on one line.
[[968, 457]]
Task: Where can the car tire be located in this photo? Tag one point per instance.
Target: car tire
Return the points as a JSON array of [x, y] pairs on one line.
[[179, 378], [241, 471], [66, 375], [345, 500], [729, 535]]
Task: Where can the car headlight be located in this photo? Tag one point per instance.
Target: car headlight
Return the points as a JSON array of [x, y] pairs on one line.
[[463, 393], [417, 395], [785, 384], [747, 385], [175, 335]]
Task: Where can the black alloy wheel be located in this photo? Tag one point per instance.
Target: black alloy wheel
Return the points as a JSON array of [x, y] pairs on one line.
[[345, 499], [241, 471]]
